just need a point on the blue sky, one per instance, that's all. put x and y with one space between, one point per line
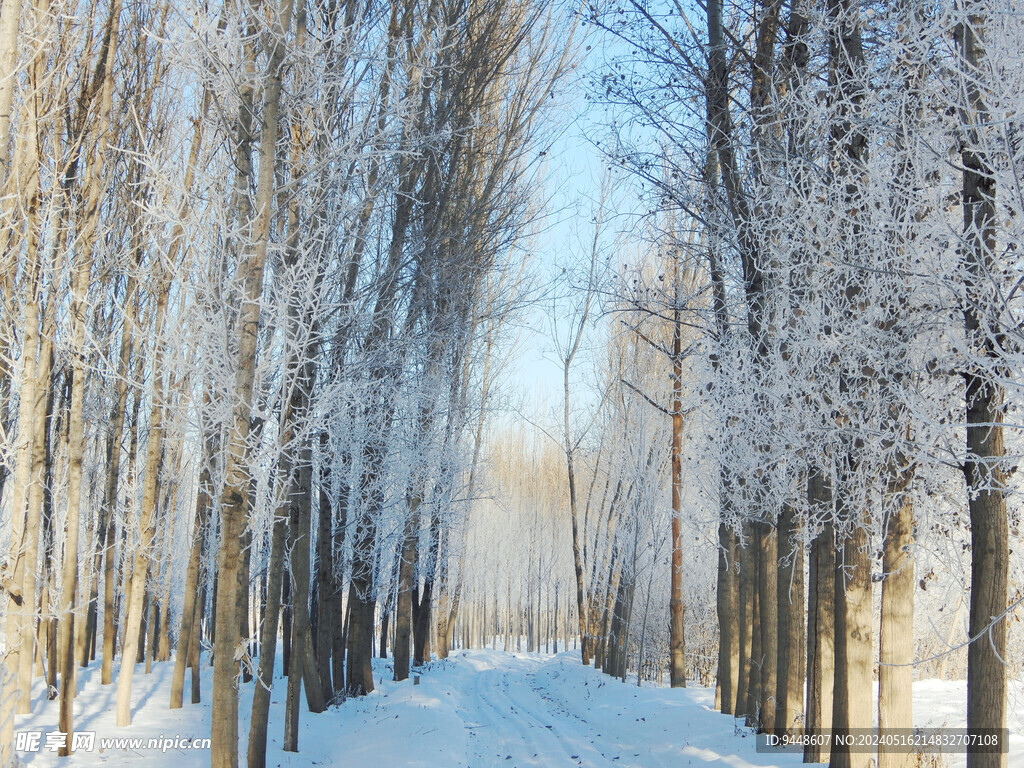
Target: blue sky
572 184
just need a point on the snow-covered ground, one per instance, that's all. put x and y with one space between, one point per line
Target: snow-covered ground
480 708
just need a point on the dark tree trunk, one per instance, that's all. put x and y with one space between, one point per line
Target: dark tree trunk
188 613
194 655
753 710
852 686
745 599
326 598
303 671
820 618
728 620
257 749
983 468
403 599
286 619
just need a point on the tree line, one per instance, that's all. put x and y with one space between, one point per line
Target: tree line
254 257
826 323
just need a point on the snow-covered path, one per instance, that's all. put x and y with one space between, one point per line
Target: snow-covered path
478 709
525 715
488 708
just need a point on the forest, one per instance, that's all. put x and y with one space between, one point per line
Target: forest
335 386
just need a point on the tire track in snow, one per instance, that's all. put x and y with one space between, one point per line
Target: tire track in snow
519 730
610 749
506 736
581 749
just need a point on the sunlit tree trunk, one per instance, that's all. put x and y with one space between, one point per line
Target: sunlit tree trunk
108 520
768 623
144 552
41 421
896 649
677 625
10 18
234 500
18 612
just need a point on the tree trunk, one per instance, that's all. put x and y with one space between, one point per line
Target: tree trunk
10 18
820 628
143 557
852 700
326 595
896 651
768 621
147 602
983 467
744 639
753 708
421 617
234 502
17 610
852 686
789 685
194 654
453 615
108 540
728 620
303 669
188 611
69 582
577 554
676 629
163 650
403 600
257 753
152 629
444 601
286 617
615 663
43 406
360 627
242 597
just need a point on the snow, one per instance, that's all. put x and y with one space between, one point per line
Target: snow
478 708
